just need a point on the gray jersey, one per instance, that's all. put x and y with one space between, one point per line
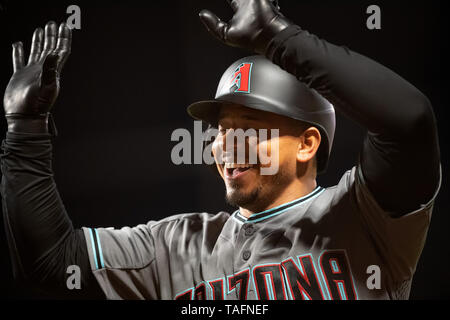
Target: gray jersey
319 246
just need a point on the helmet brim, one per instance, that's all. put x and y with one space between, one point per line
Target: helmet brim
207 111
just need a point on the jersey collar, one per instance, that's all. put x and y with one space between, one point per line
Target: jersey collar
263 215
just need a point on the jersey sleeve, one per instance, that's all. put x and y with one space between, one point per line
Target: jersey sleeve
122 261
400 240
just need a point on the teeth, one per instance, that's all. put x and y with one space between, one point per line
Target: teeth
237 165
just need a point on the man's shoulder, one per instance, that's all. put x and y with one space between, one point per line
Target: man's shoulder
343 186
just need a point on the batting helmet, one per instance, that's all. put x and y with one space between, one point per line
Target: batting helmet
257 83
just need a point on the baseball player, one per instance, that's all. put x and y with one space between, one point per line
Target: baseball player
289 237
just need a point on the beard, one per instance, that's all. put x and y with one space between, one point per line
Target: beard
237 197
261 195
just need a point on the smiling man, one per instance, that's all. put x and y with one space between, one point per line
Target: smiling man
298 126
289 237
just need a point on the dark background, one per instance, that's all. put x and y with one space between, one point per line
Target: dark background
135 68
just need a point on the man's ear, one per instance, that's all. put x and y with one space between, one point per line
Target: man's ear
308 144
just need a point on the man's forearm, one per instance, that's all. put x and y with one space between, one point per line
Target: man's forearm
40 234
363 89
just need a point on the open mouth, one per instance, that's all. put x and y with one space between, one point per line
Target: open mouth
234 170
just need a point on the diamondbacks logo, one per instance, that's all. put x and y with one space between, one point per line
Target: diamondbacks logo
240 81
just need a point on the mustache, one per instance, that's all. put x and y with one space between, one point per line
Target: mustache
239 157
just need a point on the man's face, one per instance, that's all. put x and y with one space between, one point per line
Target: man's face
246 184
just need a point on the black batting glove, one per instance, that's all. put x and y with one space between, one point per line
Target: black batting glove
34 87
253 25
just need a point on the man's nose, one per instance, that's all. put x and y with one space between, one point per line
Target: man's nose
239 147
232 141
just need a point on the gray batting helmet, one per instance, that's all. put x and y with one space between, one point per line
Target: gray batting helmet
257 83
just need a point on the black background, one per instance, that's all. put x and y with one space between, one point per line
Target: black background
134 69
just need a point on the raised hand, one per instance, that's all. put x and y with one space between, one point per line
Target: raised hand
253 25
34 87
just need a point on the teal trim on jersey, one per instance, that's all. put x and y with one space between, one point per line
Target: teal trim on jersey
100 249
272 215
94 252
290 202
287 206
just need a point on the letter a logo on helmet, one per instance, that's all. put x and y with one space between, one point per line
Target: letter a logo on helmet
240 79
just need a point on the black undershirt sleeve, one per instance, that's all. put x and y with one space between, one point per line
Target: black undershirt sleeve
40 235
400 154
